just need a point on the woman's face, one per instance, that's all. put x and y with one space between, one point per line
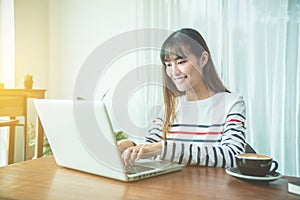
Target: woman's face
184 74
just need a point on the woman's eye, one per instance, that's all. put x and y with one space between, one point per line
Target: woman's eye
168 65
181 62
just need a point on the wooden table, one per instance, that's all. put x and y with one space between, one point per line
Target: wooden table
34 93
43 179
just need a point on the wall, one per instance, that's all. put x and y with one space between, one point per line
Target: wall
31 52
53 39
32 42
76 28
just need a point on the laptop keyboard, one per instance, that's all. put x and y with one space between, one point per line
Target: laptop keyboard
136 169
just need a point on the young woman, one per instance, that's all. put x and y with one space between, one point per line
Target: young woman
201 123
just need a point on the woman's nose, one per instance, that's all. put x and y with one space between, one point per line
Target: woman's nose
175 70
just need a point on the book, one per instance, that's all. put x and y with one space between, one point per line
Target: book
294 187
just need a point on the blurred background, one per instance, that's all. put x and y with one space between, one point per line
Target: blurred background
255 45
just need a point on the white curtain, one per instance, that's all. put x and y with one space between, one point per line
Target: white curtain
7 45
7 64
255 45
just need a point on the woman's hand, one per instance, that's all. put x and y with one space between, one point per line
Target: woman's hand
124 144
141 151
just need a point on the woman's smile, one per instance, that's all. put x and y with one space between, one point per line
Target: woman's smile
180 79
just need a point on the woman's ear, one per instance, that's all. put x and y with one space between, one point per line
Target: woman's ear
204 58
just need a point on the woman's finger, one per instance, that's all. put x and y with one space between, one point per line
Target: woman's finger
126 156
133 156
140 153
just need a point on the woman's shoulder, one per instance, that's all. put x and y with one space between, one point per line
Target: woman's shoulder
230 96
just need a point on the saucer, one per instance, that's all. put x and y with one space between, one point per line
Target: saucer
252 179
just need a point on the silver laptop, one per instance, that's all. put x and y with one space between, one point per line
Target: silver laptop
81 137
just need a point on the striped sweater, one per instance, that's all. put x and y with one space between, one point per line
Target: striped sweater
207 132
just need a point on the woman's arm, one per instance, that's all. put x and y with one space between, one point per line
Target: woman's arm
219 155
222 155
194 153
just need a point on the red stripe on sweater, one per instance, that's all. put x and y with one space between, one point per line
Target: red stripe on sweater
195 133
236 120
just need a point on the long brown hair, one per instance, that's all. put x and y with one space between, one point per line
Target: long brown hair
179 44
